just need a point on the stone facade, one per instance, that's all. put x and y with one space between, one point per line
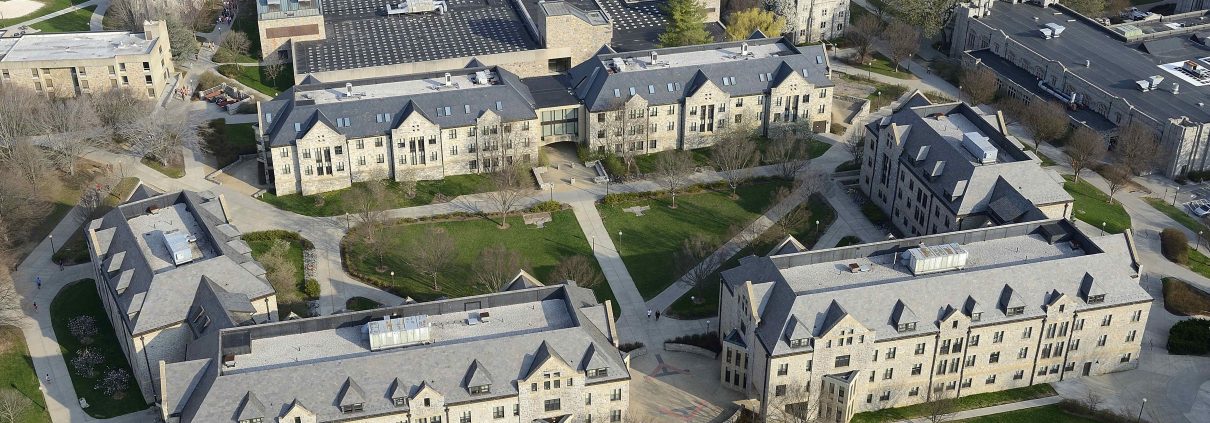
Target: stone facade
146 73
812 21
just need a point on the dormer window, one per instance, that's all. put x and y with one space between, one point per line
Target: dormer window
400 402
592 373
799 343
976 316
1015 311
1096 299
256 420
906 327
352 408
480 389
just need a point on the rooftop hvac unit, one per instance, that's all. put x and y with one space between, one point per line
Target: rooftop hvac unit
1195 69
399 332
482 78
937 258
617 64
980 147
1056 29
1150 83
178 246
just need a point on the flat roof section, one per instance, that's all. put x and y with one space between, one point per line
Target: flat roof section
1029 82
176 219
702 57
72 46
358 38
1114 65
448 328
397 88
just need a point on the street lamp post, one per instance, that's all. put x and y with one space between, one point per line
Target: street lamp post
594 244
1175 194
1103 229
1140 419
552 192
869 66
1199 240
52 244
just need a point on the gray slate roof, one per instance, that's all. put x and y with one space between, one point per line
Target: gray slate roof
875 301
291 107
593 82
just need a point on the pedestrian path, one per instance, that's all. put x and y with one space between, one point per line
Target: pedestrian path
58 13
631 324
995 409
97 21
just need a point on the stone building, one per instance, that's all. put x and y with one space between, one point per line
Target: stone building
653 100
74 63
1149 72
319 137
169 270
936 168
834 332
538 353
812 21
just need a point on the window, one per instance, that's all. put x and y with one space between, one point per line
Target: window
809 364
498 412
516 409
1107 320
338 150
466 417
907 327
998 337
1130 336
888 373
842 361
597 373
533 387
973 340
914 391
779 390
1096 299
616 395
1101 342
552 405
1028 333
1024 352
1138 315
1125 358
993 358
945 346
351 408
615 415
917 368
481 389
783 369
1019 375
920 348
252 420
890 353
1015 311
970 361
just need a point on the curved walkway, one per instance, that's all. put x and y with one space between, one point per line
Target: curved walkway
59 12
96 22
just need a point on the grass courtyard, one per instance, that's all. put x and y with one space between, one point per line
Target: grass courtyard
1094 208
1047 413
76 20
17 372
427 192
228 141
48 6
964 403
80 299
542 248
291 301
75 250
807 233
648 243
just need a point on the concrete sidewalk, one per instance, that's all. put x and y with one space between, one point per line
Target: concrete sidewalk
58 13
995 409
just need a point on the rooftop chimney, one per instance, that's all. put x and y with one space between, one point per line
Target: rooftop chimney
349 89
449 80
655 57
743 49
1176 88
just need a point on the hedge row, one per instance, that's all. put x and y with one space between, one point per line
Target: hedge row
708 340
279 234
1174 245
1190 337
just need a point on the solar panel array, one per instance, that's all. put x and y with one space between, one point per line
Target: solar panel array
628 16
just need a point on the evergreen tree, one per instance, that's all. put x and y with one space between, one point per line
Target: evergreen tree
685 24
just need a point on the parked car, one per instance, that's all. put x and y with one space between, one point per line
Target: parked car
1201 209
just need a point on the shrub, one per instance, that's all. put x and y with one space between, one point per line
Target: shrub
279 234
311 288
114 383
1190 337
229 70
1097 414
86 361
708 340
546 206
209 80
873 213
624 197
83 328
1183 299
614 166
630 346
1174 245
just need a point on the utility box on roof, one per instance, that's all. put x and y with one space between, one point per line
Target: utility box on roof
936 258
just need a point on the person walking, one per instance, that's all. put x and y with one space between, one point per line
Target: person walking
39 281
35 306
657 315
648 314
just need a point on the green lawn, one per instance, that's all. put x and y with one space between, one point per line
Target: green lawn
1199 263
701 156
228 141
883 95
76 20
75 250
1093 206
66 197
254 77
17 372
427 192
174 172
807 233
882 65
245 22
848 240
291 301
80 299
964 403
1047 413
1178 215
1183 299
542 248
847 166
361 304
648 243
48 6
1046 160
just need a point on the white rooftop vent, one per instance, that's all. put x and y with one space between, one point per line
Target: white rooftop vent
399 332
743 50
1047 33
936 258
449 79
178 246
482 77
617 64
349 89
979 146
1055 29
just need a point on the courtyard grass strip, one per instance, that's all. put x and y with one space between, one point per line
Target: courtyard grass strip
427 192
80 299
1093 206
17 372
960 404
1046 413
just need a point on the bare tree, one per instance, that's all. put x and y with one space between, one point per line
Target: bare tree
236 42
902 39
1044 121
280 271
407 182
579 269
1117 176
1014 108
979 84
672 169
939 407
508 190
433 254
19 114
13 405
855 146
788 155
796 405
117 108
90 200
10 300
72 130
733 154
367 202
1084 150
160 136
496 265
273 70
1137 147
862 34
696 260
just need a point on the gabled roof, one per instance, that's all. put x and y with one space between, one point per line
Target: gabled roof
544 354
352 394
831 317
523 280
250 408
399 390
1089 287
903 314
736 338
970 306
796 329
476 375
789 245
593 359
1009 298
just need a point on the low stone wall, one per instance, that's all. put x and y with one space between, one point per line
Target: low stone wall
691 349
542 184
